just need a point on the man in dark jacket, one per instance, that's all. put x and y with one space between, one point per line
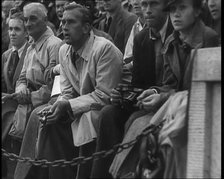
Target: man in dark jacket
119 23
147 65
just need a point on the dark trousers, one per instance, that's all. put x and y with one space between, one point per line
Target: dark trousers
55 143
112 120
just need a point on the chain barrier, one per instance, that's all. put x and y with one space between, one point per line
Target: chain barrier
82 160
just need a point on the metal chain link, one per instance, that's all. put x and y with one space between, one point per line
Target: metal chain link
82 160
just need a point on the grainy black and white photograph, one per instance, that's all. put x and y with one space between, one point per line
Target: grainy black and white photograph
114 89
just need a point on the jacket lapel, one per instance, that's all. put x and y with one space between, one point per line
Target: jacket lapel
146 41
5 71
115 21
169 29
175 65
20 65
72 72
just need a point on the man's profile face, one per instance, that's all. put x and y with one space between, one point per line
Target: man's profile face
17 33
72 26
34 22
153 12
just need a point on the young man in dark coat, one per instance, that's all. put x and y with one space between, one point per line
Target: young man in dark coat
147 65
119 23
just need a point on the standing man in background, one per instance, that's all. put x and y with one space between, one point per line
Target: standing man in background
118 23
59 4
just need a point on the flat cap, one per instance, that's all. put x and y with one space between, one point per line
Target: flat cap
168 3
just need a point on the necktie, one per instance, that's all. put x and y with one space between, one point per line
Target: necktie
13 64
59 32
107 24
75 56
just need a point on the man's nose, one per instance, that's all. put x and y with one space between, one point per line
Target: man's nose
176 13
149 9
12 32
211 3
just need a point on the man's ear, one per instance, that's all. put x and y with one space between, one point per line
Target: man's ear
197 12
86 28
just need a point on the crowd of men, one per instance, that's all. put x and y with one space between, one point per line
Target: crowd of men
120 66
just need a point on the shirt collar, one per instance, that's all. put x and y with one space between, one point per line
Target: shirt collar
84 51
139 25
20 50
38 44
162 31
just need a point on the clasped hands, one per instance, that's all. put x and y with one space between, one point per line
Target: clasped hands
53 113
147 100
22 97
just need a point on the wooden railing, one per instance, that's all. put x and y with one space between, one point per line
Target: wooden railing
204 127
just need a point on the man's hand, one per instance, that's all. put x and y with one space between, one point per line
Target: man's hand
56 69
6 96
115 97
148 100
55 112
23 97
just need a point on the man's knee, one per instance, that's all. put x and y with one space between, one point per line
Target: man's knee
108 115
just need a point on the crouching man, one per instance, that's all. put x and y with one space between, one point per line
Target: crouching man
91 67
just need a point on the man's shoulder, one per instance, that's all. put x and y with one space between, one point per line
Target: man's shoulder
101 44
54 40
7 52
101 33
64 48
209 32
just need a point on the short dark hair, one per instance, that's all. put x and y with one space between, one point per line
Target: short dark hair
86 15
